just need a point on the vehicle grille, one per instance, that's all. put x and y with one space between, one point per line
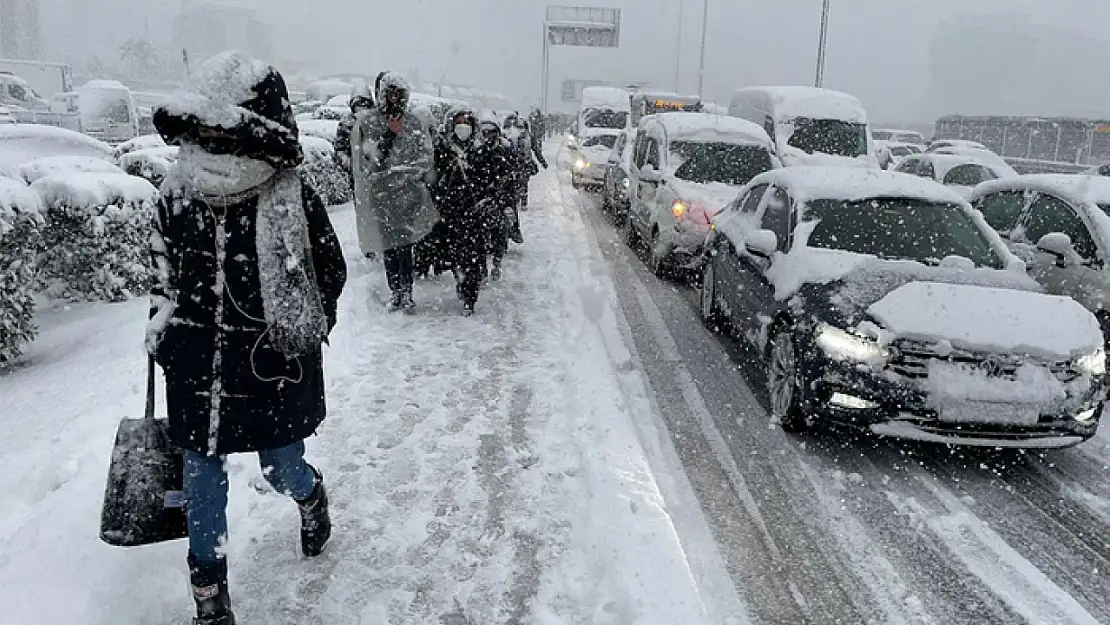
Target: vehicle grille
911 360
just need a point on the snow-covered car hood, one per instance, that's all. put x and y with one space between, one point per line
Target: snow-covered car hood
712 196
793 157
596 155
981 318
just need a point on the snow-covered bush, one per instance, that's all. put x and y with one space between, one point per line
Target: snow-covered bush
58 165
144 142
96 237
151 164
322 171
20 242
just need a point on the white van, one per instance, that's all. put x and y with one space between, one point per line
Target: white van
604 110
809 125
108 111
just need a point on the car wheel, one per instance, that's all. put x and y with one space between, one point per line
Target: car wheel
658 257
784 384
710 312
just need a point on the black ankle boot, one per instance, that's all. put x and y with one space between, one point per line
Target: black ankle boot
210 593
315 521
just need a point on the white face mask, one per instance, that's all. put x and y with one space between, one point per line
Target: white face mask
464 132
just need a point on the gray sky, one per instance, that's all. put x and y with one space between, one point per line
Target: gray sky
879 50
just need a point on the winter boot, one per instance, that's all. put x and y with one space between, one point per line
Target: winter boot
210 593
495 273
315 520
468 309
407 304
394 302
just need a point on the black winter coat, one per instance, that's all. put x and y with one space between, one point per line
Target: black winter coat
228 389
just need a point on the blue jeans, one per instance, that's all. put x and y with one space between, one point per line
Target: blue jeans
206 493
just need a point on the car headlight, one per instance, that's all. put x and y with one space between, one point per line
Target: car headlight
1093 364
581 164
627 184
841 345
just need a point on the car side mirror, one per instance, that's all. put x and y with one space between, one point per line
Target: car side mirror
761 243
650 174
1059 245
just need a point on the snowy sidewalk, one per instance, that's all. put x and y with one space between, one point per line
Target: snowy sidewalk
485 467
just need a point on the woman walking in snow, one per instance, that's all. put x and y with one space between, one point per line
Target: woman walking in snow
393 163
248 276
456 197
493 167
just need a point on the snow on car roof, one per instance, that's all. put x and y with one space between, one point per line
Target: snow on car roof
55 165
42 131
854 184
84 190
15 198
1079 189
708 126
814 103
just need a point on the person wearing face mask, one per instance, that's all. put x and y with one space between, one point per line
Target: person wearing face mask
393 161
457 198
247 277
494 171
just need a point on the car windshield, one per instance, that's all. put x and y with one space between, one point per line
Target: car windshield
730 163
105 106
600 140
829 136
606 118
900 229
968 175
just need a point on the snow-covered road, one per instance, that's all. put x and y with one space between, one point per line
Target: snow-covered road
504 468
831 527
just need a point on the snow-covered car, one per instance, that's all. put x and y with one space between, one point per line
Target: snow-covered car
615 197
958 172
996 162
890 135
590 158
884 301
48 166
890 153
1057 224
938 144
809 125
21 143
685 168
1098 170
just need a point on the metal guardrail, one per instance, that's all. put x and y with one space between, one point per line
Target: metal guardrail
1032 166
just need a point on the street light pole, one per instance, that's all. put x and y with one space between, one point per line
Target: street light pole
701 64
678 46
822 41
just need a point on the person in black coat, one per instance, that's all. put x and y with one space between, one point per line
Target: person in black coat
456 196
494 167
248 274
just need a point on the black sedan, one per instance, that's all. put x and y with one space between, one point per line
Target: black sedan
883 301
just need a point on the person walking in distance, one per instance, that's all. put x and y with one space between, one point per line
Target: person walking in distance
393 160
248 274
495 188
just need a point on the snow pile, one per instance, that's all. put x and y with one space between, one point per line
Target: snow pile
151 164
322 128
987 319
144 142
97 235
20 242
57 165
321 170
962 394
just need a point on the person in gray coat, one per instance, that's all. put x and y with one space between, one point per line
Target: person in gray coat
393 161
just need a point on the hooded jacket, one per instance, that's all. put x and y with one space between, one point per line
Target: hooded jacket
393 205
229 388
